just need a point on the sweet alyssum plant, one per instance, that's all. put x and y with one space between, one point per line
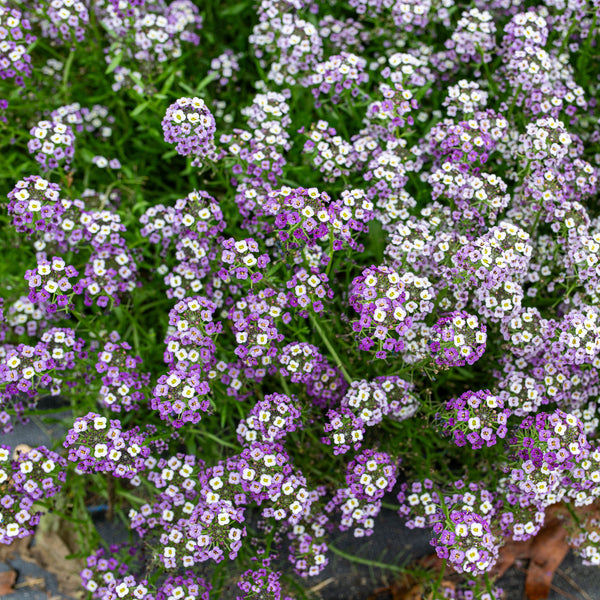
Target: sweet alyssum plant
283 259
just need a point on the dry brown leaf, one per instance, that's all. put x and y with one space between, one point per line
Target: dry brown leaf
20 449
37 582
54 541
548 550
449 585
509 553
545 552
414 593
7 582
19 546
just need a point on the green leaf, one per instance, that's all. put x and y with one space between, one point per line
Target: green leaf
235 9
114 63
168 83
195 91
140 108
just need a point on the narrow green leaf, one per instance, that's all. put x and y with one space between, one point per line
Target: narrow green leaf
140 108
235 9
114 63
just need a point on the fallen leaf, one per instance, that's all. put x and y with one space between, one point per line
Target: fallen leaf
444 585
19 546
414 593
548 550
509 553
545 552
54 541
20 449
38 582
7 582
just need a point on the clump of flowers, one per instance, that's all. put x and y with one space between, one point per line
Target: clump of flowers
301 215
344 431
465 539
378 296
379 247
457 339
49 283
189 124
15 36
307 291
34 203
256 583
67 20
371 474
18 516
39 473
337 74
477 418
97 445
180 397
52 142
270 419
242 260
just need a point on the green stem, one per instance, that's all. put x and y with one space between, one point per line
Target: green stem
573 515
512 106
328 270
438 581
284 385
215 439
66 72
131 497
366 561
331 349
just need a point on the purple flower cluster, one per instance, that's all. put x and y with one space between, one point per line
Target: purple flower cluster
242 260
35 205
39 472
49 283
26 369
546 448
19 517
270 420
431 225
181 397
400 400
420 504
378 296
122 382
457 339
466 541
259 583
302 216
307 292
328 151
110 273
300 361
66 20
339 76
54 143
367 401
99 446
344 430
371 474
188 585
357 512
477 418
15 36
190 125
